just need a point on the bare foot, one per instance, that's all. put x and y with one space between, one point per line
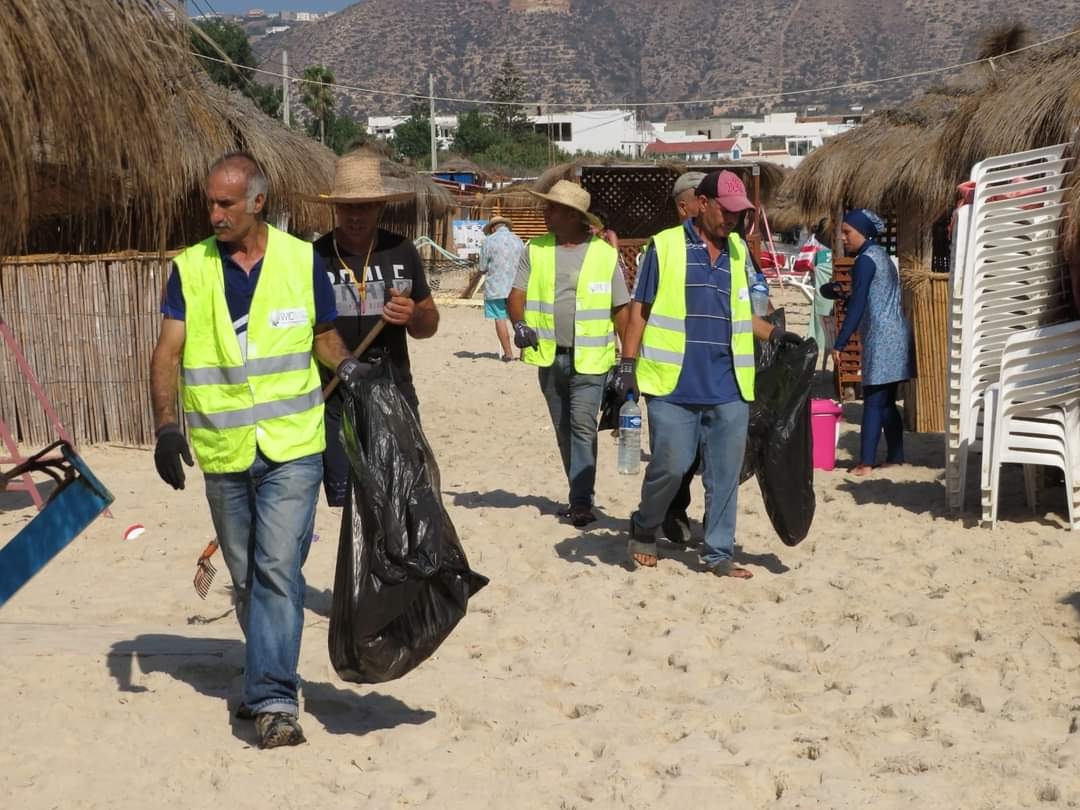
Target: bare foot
645 560
861 470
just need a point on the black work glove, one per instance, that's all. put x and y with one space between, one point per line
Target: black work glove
625 381
833 290
353 373
170 448
780 336
525 336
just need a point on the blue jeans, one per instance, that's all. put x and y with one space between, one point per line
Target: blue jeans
881 414
676 432
263 520
574 403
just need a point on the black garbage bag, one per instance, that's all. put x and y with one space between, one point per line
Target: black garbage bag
778 445
402 581
757 435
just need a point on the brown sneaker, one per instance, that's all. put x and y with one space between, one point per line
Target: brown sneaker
276 729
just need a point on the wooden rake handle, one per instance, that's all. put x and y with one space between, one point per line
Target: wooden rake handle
365 344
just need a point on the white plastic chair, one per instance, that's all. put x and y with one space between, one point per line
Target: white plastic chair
1033 414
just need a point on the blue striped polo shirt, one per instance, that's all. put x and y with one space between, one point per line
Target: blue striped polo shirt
708 370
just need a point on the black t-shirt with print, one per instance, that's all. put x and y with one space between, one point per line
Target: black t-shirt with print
394 260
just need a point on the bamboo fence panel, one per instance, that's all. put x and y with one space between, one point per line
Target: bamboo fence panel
87 325
928 297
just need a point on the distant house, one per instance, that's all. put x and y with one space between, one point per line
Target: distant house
691 151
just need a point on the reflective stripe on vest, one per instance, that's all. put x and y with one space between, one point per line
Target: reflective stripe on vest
272 400
594 331
663 344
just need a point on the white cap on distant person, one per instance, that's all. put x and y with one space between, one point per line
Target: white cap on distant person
688 181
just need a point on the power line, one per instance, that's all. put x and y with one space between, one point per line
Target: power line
644 104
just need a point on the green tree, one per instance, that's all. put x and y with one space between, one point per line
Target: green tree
474 134
317 97
527 153
343 133
412 138
508 87
230 39
267 97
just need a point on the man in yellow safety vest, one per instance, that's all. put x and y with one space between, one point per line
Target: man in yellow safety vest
568 300
689 348
247 311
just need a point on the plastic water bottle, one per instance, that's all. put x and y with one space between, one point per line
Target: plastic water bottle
759 298
629 437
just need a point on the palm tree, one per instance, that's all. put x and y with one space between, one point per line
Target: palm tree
319 98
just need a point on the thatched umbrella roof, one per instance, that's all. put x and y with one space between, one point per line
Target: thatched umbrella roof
108 126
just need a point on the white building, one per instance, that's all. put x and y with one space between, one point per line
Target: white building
599 131
383 126
783 138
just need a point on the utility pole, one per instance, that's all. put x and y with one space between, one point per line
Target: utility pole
285 88
431 114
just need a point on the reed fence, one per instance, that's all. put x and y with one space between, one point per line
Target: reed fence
87 325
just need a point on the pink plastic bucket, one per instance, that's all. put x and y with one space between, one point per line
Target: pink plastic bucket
825 416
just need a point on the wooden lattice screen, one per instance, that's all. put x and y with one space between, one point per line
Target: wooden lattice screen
637 199
849 371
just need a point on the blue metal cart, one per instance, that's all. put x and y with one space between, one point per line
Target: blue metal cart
75 503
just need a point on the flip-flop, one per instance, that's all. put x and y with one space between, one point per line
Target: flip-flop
644 548
729 569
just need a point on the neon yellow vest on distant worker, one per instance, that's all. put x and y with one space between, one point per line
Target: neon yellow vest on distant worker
663 343
594 331
273 397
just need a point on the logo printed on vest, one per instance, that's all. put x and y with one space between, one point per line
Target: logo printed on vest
281 318
599 286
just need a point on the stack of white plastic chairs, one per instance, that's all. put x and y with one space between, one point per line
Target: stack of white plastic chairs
1008 276
1032 415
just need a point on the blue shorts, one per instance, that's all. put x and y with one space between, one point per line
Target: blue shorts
495 309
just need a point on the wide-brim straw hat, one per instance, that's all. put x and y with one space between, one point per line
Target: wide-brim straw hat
359 179
572 196
491 223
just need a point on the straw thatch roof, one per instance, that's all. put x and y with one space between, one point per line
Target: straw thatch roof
911 159
108 126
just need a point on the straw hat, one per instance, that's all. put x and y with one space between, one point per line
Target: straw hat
491 223
572 196
358 179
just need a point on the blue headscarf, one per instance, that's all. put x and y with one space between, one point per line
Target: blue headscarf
865 222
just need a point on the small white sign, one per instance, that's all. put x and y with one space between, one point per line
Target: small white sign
281 318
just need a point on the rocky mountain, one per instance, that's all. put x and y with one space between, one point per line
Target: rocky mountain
617 51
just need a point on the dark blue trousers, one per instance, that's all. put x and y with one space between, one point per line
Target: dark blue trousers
881 414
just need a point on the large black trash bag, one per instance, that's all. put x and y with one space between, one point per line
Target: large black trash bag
402 581
779 446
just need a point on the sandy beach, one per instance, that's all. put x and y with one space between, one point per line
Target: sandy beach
898 657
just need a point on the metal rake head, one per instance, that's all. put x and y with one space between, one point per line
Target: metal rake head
205 570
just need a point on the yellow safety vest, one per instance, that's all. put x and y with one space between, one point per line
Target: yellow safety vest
663 344
273 397
594 331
